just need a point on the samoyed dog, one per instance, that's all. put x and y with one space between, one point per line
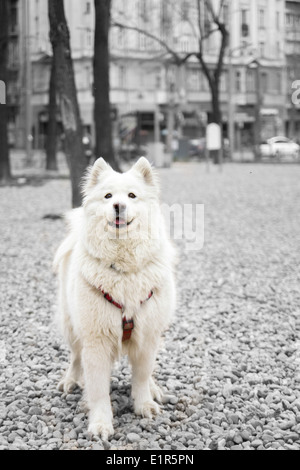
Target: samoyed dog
116 287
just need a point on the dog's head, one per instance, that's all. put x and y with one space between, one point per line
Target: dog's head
121 205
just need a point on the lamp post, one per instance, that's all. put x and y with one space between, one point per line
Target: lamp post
256 66
231 107
157 113
171 120
28 85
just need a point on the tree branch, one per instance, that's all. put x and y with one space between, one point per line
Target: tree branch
200 24
149 35
177 58
221 8
219 67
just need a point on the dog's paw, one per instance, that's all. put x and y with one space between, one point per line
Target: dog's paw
156 392
67 385
147 409
102 429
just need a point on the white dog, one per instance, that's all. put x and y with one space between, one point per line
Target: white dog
117 290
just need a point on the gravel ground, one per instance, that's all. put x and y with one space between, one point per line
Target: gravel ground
229 364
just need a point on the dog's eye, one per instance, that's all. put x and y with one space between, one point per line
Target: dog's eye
108 196
132 196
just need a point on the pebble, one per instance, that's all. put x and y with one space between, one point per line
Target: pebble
286 425
35 410
236 447
133 437
256 443
226 368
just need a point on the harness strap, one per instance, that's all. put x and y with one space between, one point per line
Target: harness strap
127 324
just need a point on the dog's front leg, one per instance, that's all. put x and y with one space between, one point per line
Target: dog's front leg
97 370
143 386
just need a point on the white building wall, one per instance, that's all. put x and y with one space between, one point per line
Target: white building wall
139 73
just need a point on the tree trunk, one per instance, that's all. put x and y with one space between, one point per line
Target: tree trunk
66 89
102 111
216 117
51 144
5 173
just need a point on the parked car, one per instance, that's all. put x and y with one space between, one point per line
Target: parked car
279 147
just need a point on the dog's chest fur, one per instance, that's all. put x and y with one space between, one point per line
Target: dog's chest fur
128 274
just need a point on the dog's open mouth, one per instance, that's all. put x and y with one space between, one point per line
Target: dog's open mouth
119 222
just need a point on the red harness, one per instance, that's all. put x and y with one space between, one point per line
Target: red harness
128 325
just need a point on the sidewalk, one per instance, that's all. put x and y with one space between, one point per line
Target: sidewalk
37 166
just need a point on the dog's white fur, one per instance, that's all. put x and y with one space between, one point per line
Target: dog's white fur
127 263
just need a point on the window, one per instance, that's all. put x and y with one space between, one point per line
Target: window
289 19
224 82
166 16
13 54
225 13
278 20
89 77
184 45
13 20
171 75
245 23
143 9
278 82
262 46
89 38
264 82
87 8
250 81
204 82
185 10
238 81
261 18
278 49
122 38
142 41
194 80
122 76
158 79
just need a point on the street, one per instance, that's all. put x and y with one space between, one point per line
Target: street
229 365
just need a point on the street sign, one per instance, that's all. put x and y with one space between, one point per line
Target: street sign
213 137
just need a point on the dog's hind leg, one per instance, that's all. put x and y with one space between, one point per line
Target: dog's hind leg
74 374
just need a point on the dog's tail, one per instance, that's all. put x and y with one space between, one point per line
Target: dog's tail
73 218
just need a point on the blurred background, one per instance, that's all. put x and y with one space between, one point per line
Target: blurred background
174 67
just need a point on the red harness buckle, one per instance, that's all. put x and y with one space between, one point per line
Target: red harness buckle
128 326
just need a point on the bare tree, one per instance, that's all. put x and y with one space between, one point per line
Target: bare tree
66 89
210 21
213 75
102 110
5 173
51 143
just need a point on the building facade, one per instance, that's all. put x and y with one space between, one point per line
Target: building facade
292 53
146 84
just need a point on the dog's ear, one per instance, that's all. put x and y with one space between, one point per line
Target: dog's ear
94 173
144 168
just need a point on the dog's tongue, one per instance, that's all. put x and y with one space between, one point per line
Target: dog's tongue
120 221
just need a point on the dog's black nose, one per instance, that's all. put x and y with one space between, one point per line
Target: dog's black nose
119 208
